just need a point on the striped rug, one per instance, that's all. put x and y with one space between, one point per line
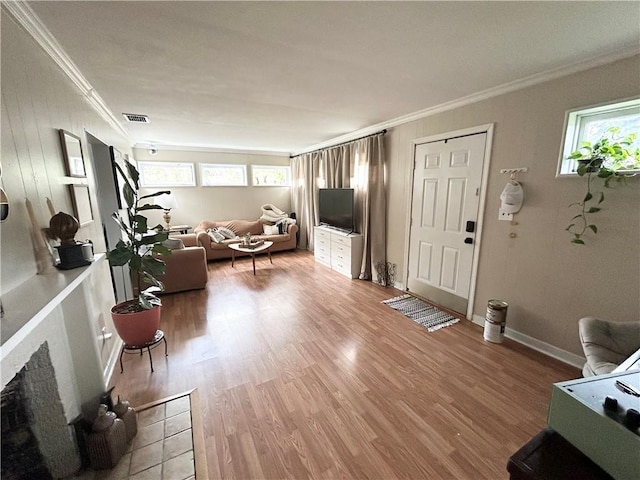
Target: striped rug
428 316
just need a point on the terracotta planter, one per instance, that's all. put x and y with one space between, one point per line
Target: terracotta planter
136 328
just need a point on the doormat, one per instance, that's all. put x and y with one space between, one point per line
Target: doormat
430 317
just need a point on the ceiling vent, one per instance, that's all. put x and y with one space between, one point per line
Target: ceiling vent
136 118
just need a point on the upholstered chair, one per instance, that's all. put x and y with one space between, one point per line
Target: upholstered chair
607 344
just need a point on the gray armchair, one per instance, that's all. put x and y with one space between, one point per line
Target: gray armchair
607 344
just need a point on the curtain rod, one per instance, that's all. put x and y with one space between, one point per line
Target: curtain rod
381 132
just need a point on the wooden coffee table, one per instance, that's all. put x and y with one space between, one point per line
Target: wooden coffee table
237 247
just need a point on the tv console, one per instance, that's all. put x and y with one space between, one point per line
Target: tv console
339 250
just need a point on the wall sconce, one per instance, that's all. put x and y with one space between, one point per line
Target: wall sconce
4 206
167 202
4 201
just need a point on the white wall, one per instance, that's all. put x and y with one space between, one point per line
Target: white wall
548 282
37 101
218 203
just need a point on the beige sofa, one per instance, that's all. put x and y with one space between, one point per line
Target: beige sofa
214 250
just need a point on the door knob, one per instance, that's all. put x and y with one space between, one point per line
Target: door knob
468 240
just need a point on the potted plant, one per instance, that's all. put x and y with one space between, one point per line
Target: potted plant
137 320
609 159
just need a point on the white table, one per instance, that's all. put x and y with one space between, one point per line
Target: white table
237 247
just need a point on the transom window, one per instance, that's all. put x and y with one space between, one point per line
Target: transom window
218 175
166 174
591 124
271 175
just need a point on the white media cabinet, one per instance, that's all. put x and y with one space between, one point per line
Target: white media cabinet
338 250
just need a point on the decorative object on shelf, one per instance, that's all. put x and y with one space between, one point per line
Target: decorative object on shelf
81 204
43 258
137 320
609 159
63 226
167 201
128 415
72 151
107 441
52 210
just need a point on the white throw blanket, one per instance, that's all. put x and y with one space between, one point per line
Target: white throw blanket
271 213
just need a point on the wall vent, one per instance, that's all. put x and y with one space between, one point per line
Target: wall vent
136 118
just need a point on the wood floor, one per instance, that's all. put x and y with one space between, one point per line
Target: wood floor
303 373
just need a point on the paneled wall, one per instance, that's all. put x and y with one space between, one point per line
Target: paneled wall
218 203
37 101
548 282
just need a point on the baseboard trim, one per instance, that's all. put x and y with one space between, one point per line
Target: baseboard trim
538 345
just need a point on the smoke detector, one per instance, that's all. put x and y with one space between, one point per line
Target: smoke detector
136 118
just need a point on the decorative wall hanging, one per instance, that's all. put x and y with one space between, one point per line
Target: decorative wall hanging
72 152
81 204
4 201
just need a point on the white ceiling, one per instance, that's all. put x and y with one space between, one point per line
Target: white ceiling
286 76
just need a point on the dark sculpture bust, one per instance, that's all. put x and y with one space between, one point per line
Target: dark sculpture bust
64 226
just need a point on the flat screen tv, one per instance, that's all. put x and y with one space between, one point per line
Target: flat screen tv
336 207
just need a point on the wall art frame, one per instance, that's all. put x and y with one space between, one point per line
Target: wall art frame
72 153
81 199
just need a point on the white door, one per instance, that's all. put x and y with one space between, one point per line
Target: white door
444 218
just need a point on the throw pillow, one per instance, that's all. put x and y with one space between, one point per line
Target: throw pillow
270 229
173 243
226 232
215 235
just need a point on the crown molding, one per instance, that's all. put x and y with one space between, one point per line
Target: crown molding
22 13
190 148
480 96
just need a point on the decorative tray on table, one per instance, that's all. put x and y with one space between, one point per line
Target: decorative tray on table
253 244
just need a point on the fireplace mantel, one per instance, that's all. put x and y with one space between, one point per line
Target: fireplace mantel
70 310
31 302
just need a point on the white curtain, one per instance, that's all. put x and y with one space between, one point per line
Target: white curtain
359 165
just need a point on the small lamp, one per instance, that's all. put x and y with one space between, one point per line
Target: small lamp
167 202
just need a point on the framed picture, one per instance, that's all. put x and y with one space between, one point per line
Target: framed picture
81 204
72 152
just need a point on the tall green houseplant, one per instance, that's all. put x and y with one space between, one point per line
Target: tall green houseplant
140 248
607 160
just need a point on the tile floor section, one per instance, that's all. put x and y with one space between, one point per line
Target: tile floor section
162 449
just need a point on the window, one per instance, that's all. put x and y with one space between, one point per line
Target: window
166 174
217 175
591 124
271 175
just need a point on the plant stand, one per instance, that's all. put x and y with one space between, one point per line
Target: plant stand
157 338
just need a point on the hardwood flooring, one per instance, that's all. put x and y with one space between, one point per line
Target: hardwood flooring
303 373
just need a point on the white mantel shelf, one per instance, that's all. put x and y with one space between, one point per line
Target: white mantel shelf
29 303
